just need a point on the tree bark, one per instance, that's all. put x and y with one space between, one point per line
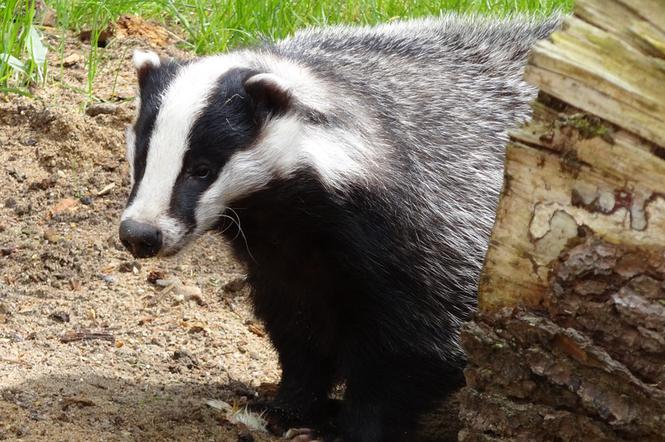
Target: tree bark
569 342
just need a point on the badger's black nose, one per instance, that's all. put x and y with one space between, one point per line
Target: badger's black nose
141 239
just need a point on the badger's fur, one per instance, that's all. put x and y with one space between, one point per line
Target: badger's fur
356 173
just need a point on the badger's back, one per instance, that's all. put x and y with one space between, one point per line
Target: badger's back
435 99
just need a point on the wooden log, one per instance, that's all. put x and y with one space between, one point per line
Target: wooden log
569 342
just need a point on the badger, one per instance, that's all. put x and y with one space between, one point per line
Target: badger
355 171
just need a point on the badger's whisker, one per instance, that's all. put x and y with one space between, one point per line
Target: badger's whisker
236 221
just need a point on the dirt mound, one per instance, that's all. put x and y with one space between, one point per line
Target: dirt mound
93 344
137 27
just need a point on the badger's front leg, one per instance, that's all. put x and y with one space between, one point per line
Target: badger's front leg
307 372
302 397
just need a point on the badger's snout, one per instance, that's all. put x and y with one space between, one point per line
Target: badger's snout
141 239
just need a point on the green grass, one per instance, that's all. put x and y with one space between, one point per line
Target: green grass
215 26
22 54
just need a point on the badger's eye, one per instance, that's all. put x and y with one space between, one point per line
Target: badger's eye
201 172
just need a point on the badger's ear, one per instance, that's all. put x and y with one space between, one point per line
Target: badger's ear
145 62
270 92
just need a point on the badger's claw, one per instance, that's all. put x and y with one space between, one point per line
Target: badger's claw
301 435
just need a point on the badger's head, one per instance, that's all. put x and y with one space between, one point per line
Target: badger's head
217 129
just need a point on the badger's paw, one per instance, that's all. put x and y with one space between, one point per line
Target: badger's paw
301 435
278 419
309 435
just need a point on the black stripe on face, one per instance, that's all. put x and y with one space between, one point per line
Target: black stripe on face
226 125
153 83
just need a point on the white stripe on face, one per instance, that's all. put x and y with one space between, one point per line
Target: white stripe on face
184 99
338 156
130 139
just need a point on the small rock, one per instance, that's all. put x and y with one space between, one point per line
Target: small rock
17 175
35 416
29 142
86 200
146 320
76 401
188 291
74 284
43 118
109 279
185 358
4 309
167 282
10 203
101 108
198 328
72 60
51 236
64 205
59 316
178 299
129 266
235 285
6 251
256 328
154 276
21 210
106 190
21 431
44 184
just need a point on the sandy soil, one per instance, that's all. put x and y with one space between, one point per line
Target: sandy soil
89 348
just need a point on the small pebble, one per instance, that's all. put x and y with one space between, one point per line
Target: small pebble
129 266
6 251
86 200
101 108
4 309
235 285
10 203
154 276
106 190
166 282
22 209
197 328
109 279
188 291
72 60
59 316
51 236
186 358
